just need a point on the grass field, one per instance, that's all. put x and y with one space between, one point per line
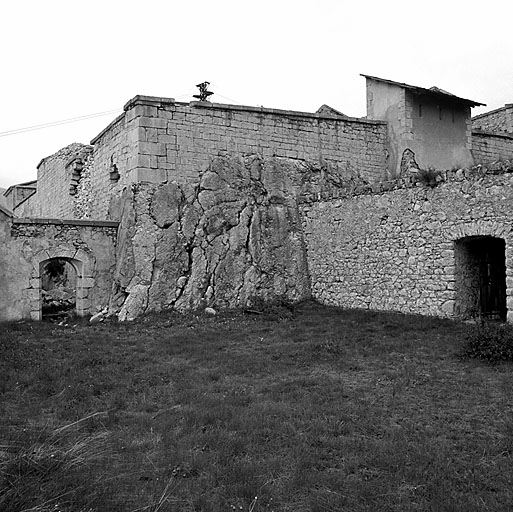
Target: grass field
311 409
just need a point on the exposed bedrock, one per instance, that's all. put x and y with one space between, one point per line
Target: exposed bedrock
234 237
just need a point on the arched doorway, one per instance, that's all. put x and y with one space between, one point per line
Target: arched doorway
480 274
59 283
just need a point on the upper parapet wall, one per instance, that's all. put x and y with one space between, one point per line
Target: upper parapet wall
498 120
173 141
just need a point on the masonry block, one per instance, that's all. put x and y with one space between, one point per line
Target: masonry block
152 122
150 175
152 148
36 315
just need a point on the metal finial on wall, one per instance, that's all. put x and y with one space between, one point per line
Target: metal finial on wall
203 94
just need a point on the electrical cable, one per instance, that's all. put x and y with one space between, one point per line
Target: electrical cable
57 123
86 117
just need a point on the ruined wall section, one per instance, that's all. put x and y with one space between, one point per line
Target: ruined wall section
26 243
57 174
489 147
178 141
395 250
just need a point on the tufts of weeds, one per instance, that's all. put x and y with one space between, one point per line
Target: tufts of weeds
490 342
58 469
429 177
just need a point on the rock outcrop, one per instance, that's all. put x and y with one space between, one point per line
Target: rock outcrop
234 237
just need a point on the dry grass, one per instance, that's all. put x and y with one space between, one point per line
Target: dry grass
316 409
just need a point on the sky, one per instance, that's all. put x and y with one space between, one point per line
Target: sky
62 60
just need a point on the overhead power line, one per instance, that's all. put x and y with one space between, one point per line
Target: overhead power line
56 123
84 118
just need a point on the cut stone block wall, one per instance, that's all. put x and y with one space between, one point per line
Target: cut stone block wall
28 243
395 250
177 141
490 147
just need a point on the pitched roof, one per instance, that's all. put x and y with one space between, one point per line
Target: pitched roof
433 91
330 111
27 184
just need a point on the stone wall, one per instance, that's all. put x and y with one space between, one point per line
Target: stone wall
115 157
56 175
158 140
26 244
498 120
489 147
177 141
395 250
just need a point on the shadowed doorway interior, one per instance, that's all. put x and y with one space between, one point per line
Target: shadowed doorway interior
480 266
58 289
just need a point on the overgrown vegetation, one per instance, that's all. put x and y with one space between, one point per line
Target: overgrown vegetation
429 177
289 409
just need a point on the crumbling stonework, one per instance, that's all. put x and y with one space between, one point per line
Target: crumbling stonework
58 174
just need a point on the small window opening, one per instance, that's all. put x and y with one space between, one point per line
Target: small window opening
113 171
440 112
420 109
452 113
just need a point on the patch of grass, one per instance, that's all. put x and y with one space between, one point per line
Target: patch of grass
489 341
313 409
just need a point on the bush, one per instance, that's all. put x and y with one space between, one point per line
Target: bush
429 177
490 342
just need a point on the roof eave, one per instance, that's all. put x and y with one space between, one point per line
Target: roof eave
423 90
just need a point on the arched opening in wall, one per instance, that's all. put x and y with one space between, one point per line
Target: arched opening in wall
480 274
58 289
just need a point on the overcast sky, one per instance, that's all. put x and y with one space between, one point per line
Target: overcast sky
66 59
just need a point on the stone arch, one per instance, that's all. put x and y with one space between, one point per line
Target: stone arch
472 245
83 264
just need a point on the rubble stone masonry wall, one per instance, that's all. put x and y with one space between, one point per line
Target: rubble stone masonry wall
499 120
396 250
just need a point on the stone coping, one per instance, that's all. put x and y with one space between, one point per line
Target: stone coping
488 133
67 222
107 128
408 182
505 107
163 102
